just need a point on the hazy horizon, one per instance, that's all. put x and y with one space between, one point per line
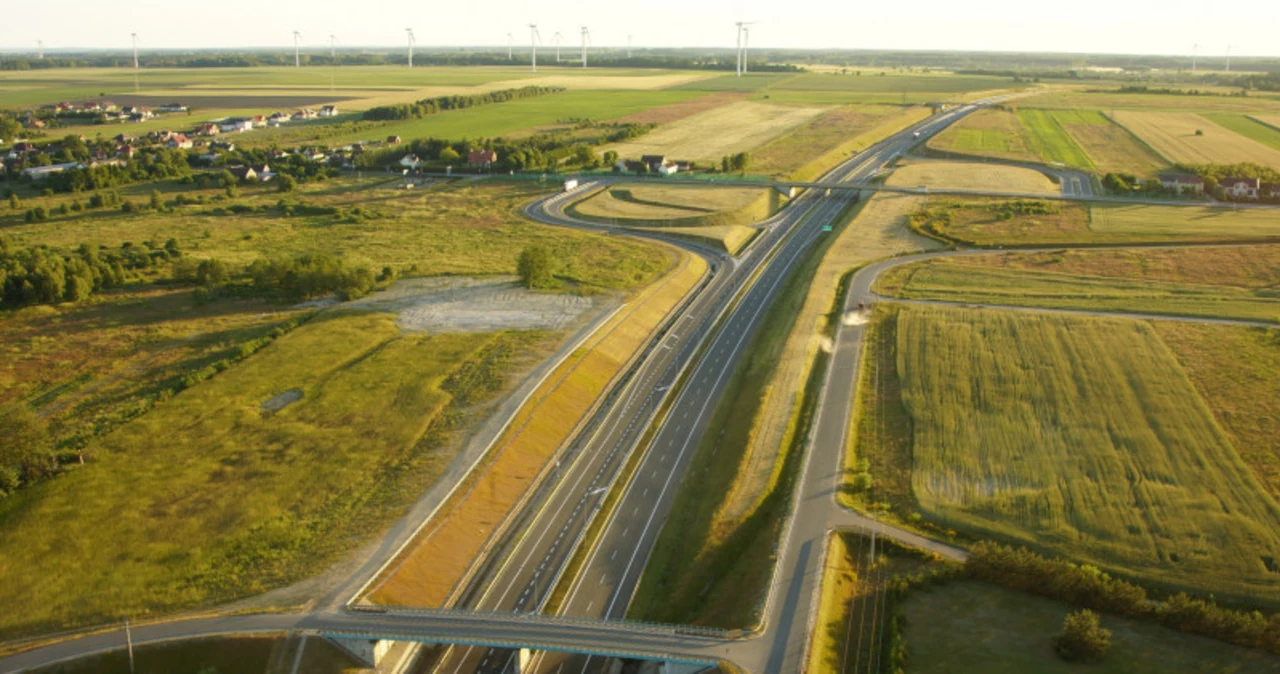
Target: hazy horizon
1169 28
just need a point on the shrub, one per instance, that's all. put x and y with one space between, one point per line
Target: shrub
1082 638
534 267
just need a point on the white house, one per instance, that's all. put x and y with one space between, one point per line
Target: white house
42 172
410 161
668 168
1240 188
329 111
1182 184
236 125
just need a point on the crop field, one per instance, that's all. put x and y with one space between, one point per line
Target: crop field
674 205
1191 139
1237 372
1048 138
1084 437
991 133
949 174
1109 147
749 82
429 570
969 626
728 129
1248 127
1064 99
818 146
672 112
1272 121
211 496
1214 282
833 88
983 222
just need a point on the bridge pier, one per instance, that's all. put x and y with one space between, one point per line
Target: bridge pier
369 651
682 668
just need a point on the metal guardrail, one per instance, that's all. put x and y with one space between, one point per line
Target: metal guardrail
554 620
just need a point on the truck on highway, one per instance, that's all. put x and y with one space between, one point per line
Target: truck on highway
571 184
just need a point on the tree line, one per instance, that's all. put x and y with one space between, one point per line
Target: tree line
1086 586
43 275
431 106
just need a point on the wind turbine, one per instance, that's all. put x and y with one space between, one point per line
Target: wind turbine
1195 51
134 37
557 39
746 39
534 38
628 45
410 32
1229 57
333 48
297 55
40 50
510 41
586 37
738 52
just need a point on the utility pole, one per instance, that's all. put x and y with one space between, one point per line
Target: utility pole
297 55
128 640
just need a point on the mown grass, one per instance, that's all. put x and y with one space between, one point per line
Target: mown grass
969 626
821 144
232 655
1212 282
1084 437
722 579
208 497
429 571
1237 372
677 206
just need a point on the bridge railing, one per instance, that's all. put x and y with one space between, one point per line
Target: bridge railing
539 618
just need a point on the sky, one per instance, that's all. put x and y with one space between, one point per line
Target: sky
1247 27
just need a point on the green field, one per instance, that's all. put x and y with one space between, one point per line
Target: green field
968 626
1248 127
232 655
1076 99
749 82
1051 141
1201 282
1084 437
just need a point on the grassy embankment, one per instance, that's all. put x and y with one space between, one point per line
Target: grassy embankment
1076 419
967 626
232 655
706 214
181 542
991 223
1082 139
826 141
1188 138
428 572
1214 282
722 580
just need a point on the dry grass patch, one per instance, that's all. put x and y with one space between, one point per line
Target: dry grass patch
962 175
431 568
677 205
820 145
711 134
1084 437
1272 121
1111 148
1187 138
992 133
1237 372
729 238
665 114
1185 221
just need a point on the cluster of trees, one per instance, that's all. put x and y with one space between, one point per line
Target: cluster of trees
1258 81
1216 172
536 268
541 152
42 275
431 106
26 454
302 277
1082 638
1089 587
148 165
1123 183
736 163
10 128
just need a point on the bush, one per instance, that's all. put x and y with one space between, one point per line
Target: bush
1082 638
286 183
534 267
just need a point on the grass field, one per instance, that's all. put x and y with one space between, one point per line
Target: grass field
1248 127
1237 372
208 498
989 133
962 175
231 655
832 88
1109 147
822 143
968 626
740 126
1069 99
1082 436
677 206
1215 282
1049 139
977 222
1187 138
428 572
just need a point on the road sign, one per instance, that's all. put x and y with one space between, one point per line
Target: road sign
827 228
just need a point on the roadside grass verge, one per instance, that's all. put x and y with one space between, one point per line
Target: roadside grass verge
722 580
429 571
677 206
1209 282
1237 372
966 625
729 238
856 625
1084 437
210 497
